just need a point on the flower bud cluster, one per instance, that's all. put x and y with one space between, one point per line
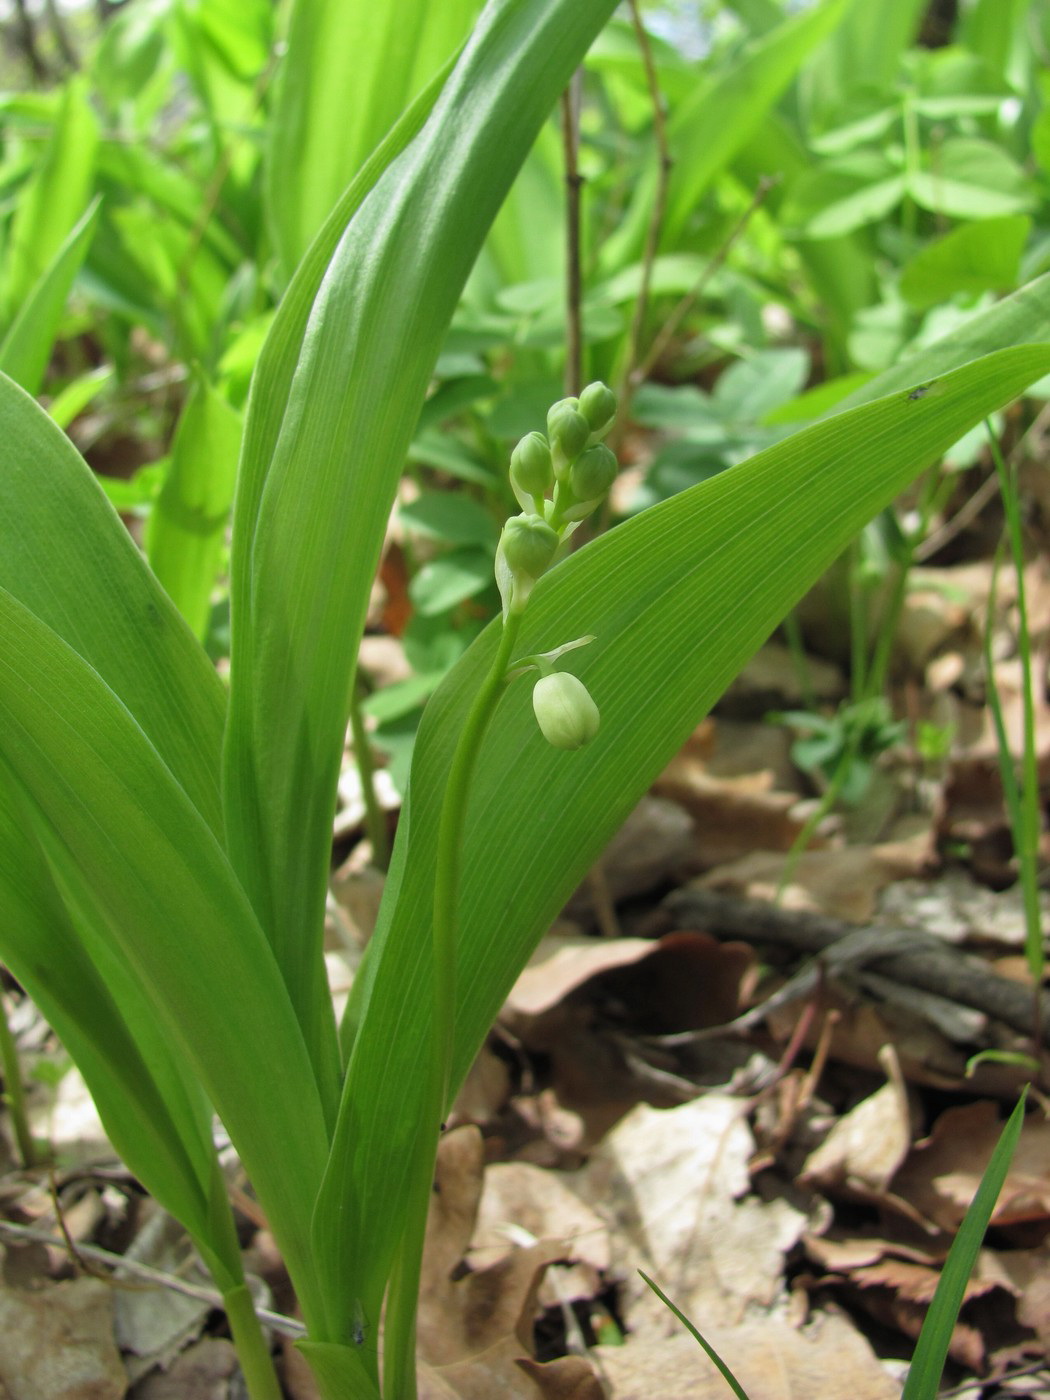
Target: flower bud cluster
558 479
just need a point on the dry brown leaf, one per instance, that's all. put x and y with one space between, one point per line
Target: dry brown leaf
771 1361
866 1145
568 1378
207 1370
652 848
58 1343
843 883
674 1184
518 1197
473 1327
941 1176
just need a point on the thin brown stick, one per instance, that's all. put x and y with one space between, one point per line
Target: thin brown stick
656 218
570 117
683 308
288 1326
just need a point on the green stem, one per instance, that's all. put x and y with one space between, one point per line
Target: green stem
15 1094
450 852
253 1351
375 820
1025 820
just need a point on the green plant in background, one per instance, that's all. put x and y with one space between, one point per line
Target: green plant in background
166 844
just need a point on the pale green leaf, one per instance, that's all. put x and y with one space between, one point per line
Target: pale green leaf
351 67
54 198
30 338
187 528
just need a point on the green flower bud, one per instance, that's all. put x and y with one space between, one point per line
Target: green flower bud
598 406
593 473
566 714
525 550
531 469
569 433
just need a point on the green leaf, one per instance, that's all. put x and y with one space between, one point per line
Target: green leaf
450 579
65 554
152 1109
329 423
709 128
968 178
448 516
350 67
974 258
30 338
175 908
678 598
54 198
1022 316
931 1350
844 194
187 528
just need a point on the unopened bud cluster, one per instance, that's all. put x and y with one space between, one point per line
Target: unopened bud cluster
559 479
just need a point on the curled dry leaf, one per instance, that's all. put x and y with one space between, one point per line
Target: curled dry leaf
473 1327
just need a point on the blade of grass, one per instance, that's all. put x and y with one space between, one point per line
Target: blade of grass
931 1350
723 1370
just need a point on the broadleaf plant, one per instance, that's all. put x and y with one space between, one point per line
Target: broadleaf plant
166 848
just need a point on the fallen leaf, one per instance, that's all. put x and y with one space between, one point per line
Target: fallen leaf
772 1361
58 1343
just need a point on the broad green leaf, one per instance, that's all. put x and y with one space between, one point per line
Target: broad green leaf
322 463
30 338
450 516
187 528
55 197
351 68
450 579
974 258
678 599
867 46
65 554
931 1350
181 920
999 32
968 178
154 1113
844 194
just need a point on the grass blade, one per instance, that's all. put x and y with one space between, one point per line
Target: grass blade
713 1356
931 1350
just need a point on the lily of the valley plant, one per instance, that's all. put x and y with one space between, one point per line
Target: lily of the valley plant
164 844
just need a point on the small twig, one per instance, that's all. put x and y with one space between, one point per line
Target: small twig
682 310
570 116
907 955
287 1326
656 218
